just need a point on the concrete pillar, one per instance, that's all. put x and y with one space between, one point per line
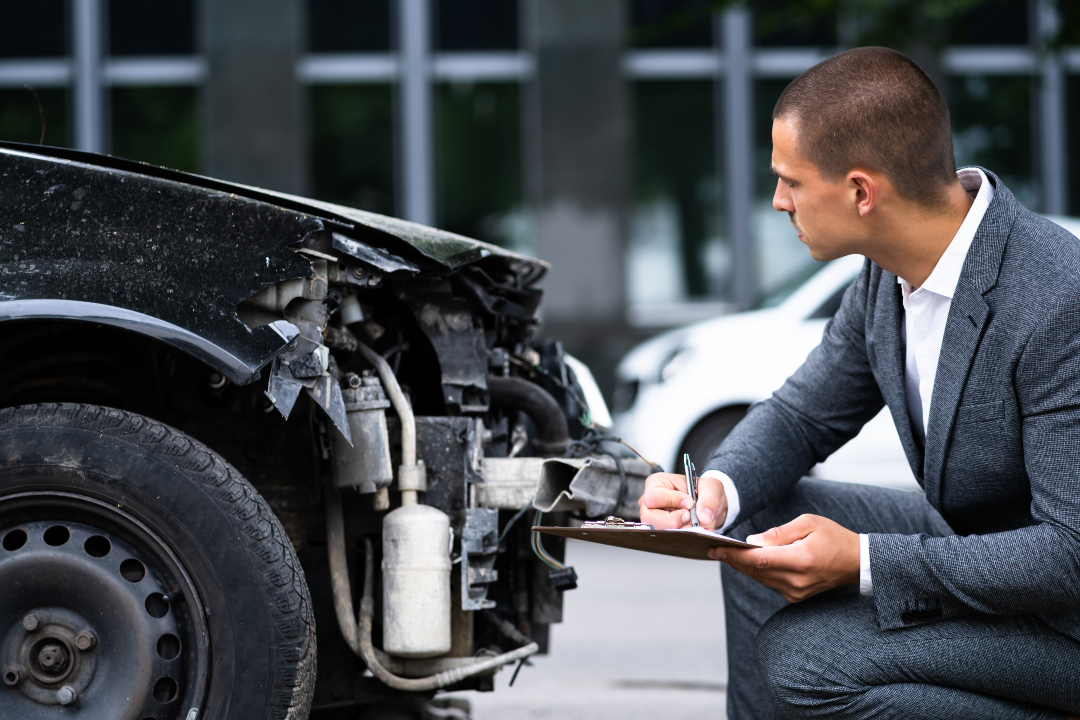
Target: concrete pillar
253 129
87 19
576 159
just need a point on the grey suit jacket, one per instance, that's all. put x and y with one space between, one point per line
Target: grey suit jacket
1002 456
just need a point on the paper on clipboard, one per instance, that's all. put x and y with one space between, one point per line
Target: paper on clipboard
690 543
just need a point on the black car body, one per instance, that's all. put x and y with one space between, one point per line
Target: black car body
189 351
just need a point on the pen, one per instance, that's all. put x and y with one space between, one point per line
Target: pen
691 486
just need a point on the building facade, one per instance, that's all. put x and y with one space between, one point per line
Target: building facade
625 141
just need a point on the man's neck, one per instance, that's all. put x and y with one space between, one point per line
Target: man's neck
911 240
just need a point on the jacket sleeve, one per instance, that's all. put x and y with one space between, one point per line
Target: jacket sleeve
818 409
1034 569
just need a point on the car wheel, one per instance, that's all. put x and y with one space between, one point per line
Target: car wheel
707 435
142 577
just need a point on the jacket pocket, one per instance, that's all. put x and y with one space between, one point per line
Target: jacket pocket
981 412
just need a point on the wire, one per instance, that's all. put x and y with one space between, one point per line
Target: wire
538 547
514 519
592 443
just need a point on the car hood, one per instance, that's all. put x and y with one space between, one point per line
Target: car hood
447 249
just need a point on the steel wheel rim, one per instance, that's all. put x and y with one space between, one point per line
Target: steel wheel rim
103 615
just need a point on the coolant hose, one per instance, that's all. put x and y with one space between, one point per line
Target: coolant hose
359 636
552 432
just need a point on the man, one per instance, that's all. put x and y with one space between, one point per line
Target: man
965 321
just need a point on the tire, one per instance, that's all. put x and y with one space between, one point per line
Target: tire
122 534
707 435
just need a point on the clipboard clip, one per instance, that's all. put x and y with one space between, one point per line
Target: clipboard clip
615 523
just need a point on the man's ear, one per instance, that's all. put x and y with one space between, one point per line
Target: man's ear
865 191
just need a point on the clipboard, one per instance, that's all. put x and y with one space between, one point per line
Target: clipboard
690 543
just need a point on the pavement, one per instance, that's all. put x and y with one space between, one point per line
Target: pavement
642 637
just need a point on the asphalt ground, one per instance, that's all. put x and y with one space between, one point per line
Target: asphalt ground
642 637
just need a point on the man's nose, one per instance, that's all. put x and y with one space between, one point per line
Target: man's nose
781 200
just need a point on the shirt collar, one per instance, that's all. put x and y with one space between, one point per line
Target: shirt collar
946 273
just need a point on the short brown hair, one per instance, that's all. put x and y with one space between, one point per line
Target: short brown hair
874 108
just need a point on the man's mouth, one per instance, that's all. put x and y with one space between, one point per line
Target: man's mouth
791 217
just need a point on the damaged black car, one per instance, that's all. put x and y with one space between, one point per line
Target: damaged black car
229 417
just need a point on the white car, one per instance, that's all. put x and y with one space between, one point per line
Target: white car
684 390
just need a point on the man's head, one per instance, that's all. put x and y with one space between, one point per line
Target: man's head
863 127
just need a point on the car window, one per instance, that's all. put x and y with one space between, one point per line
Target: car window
828 308
788 288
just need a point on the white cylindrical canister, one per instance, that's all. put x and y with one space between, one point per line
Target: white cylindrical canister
416 582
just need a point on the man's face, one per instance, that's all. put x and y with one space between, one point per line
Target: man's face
823 212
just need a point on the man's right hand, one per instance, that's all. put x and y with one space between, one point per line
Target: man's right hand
666 506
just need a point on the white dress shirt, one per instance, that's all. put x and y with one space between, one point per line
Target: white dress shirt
926 309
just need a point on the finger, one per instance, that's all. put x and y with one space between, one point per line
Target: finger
665 520
659 497
668 480
712 503
787 533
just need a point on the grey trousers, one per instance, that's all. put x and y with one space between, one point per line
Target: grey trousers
827 656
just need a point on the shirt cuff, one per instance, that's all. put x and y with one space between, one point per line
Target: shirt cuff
732 495
866 584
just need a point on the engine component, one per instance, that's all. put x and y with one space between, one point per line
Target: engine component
552 434
479 544
591 485
365 465
416 582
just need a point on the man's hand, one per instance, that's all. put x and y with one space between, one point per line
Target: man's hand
666 506
807 556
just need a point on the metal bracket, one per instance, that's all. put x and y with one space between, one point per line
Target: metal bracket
479 544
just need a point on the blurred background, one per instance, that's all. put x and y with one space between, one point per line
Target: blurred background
625 141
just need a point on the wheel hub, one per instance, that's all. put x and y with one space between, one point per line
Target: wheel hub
134 660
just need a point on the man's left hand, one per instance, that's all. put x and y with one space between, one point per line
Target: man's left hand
807 556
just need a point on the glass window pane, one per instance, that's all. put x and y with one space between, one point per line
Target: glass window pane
352 146
336 26
782 259
675 251
671 23
991 124
475 24
778 23
137 27
994 22
478 162
157 125
33 29
20 119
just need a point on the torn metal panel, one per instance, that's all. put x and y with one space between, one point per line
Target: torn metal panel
326 393
590 485
509 483
448 323
183 255
376 257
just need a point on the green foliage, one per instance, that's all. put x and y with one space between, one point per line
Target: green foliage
352 145
156 125
20 120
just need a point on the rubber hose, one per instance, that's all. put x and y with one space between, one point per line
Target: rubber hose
432 682
552 432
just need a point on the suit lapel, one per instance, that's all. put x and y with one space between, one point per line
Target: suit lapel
968 316
889 354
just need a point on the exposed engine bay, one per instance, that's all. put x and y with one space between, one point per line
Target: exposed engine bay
378 383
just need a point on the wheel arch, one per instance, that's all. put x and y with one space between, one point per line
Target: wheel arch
704 421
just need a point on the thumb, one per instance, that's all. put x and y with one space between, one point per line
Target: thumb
712 503
787 533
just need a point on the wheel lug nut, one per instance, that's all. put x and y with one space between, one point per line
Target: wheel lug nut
52 658
13 676
85 640
31 622
66 695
